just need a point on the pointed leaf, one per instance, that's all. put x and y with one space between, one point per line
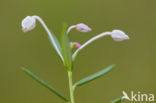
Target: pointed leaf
66 48
56 44
94 76
33 76
118 100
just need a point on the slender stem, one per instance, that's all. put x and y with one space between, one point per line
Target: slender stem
49 34
71 87
70 28
88 42
94 38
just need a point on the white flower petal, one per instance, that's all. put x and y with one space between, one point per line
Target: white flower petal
119 35
28 23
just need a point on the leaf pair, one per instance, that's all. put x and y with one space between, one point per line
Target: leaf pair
79 83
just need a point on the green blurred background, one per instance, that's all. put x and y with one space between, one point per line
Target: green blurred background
134 59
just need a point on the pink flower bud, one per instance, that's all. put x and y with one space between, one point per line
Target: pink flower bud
119 35
83 28
80 27
28 23
75 45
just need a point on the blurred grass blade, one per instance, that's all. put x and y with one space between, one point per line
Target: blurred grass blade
66 48
33 76
118 100
94 76
56 45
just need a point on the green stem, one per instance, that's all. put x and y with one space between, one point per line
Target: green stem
71 87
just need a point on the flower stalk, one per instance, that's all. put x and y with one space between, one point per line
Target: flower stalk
30 27
117 35
88 42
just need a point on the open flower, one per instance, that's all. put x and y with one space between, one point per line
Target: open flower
80 27
28 23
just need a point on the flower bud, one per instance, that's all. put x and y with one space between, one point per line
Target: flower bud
28 23
83 27
75 45
119 35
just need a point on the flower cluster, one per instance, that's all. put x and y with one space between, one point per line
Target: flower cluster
29 23
64 50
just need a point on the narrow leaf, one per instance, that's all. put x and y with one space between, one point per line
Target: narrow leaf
56 44
94 76
66 48
118 100
33 76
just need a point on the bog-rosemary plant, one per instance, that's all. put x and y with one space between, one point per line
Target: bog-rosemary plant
64 50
